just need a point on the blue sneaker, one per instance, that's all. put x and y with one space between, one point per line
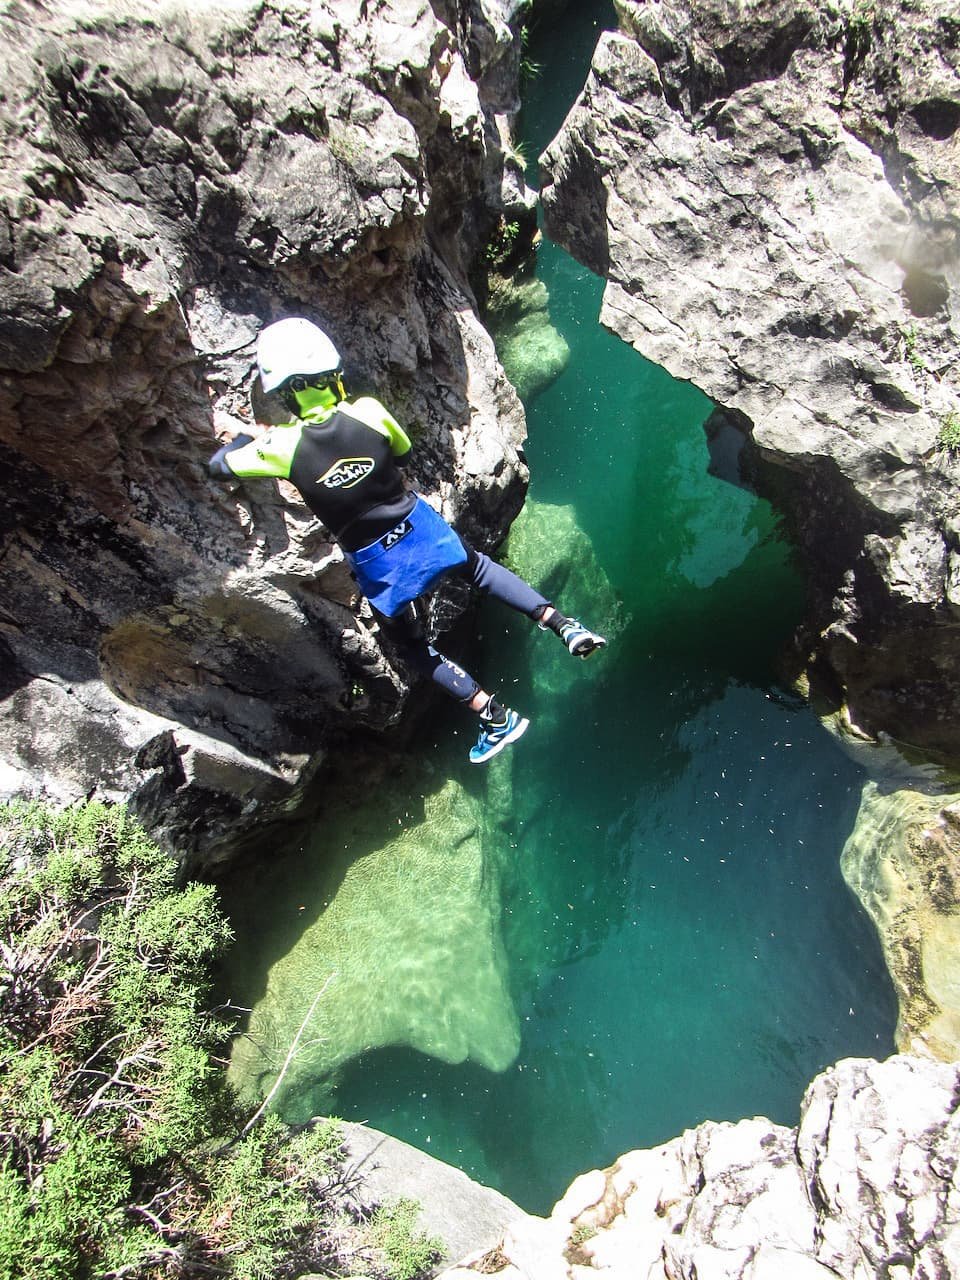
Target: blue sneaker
579 639
494 737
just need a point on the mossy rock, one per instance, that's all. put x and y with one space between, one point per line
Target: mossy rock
903 862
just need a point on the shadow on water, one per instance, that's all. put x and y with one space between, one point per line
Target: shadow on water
634 919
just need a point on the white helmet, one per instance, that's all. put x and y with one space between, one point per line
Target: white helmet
293 346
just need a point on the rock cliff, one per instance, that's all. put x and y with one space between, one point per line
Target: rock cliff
771 191
865 1186
174 177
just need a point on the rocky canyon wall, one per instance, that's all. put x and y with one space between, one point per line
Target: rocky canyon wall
173 177
771 190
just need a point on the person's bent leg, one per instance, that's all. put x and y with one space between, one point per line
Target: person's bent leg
405 632
499 725
502 584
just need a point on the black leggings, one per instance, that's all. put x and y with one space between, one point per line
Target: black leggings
406 630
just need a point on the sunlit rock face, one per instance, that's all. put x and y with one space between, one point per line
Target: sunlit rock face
400 941
903 862
865 1186
173 178
771 191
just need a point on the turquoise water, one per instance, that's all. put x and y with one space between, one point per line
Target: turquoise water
681 943
672 930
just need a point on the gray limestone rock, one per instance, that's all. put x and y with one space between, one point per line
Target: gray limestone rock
865 1186
462 1213
771 190
172 179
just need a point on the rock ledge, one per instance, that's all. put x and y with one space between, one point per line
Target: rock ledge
866 1186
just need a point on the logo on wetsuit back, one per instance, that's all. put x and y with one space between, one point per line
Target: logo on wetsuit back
346 473
396 534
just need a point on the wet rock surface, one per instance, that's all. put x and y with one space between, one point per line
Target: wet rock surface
173 179
465 1215
771 191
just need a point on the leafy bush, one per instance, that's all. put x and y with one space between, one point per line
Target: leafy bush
502 243
262 1203
949 436
115 1158
407 1253
106 1066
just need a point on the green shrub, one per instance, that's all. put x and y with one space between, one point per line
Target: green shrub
263 1204
114 1111
105 1053
503 241
407 1250
949 437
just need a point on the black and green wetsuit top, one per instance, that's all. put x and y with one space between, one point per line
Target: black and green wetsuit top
344 462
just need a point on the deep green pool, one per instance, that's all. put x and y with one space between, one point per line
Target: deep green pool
658 857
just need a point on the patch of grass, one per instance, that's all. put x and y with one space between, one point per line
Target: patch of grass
516 151
582 1233
949 437
860 30
529 68
911 351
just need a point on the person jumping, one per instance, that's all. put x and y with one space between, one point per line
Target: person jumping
344 457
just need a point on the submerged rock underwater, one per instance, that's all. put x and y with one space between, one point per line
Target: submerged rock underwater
393 907
402 937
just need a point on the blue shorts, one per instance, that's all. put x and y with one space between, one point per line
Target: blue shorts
404 563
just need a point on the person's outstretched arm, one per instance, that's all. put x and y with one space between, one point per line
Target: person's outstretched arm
268 455
217 466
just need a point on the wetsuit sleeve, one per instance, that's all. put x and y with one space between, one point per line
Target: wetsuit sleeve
373 413
217 466
268 455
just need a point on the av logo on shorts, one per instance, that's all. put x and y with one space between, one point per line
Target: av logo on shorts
396 534
345 473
